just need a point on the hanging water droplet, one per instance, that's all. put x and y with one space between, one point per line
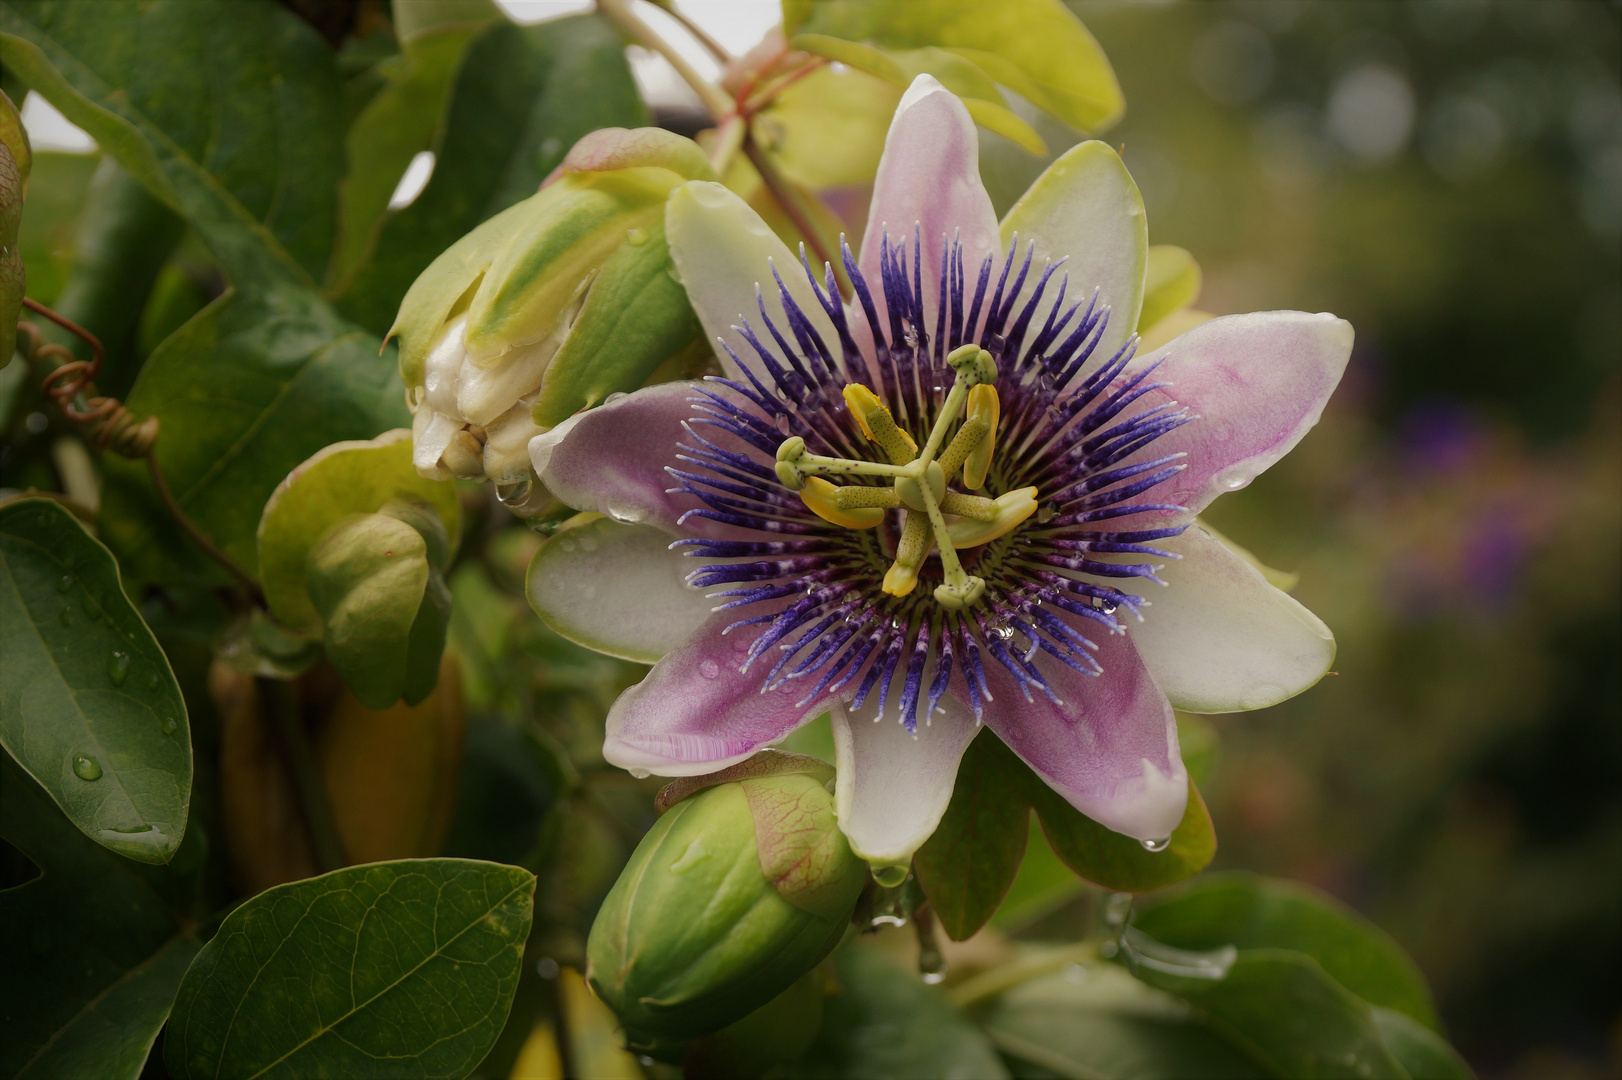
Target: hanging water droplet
1157 845
86 767
640 774
513 494
128 830
64 583
118 667
169 725
886 920
890 876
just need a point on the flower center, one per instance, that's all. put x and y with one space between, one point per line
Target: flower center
918 480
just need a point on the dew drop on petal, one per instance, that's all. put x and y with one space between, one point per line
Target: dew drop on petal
86 767
1157 845
709 669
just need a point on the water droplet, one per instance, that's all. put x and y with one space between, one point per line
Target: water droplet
547 968
1073 973
431 383
636 237
86 767
66 616
513 494
64 583
782 424
1222 431
118 667
169 725
890 876
1157 845
624 511
886 920
152 681
128 830
640 774
588 542
934 978
709 669
615 396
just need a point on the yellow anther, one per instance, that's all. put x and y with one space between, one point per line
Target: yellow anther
910 551
878 425
1012 509
821 498
983 405
860 496
977 507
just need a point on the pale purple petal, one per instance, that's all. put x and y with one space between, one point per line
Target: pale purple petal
929 176
695 712
1110 749
612 460
1256 384
616 589
1219 638
893 786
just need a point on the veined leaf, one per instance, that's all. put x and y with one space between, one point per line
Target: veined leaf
94 948
398 968
247 390
248 147
88 703
522 97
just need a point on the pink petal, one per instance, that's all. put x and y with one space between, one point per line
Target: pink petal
696 712
612 459
930 176
1257 383
1110 749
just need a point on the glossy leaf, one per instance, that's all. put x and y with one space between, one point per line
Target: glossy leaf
1036 48
968 864
884 1021
399 968
88 703
1042 883
94 949
1287 1012
248 147
1096 1020
246 391
1172 281
355 477
1254 912
522 97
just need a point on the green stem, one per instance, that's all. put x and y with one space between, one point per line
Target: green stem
716 100
308 785
989 984
948 414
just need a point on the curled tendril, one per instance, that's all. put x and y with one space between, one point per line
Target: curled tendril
108 423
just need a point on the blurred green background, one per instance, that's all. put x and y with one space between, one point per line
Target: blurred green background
1448 176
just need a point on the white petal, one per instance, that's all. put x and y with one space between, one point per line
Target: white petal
617 589
441 370
1086 209
1219 638
431 432
486 391
893 787
506 447
723 250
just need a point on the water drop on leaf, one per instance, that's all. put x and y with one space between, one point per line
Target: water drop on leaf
170 725
66 616
64 583
118 667
86 767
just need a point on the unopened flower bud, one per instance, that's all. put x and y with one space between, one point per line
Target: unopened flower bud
547 308
734 894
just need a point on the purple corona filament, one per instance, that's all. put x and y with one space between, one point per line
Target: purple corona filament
1070 426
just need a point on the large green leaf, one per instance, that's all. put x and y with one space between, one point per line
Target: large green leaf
1036 48
1086 1022
1119 862
1278 1004
884 1022
88 704
93 949
1425 1054
522 97
1254 912
246 391
247 146
399 969
968 863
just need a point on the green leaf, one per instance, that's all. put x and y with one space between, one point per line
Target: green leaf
827 129
1425 1054
342 479
1085 1022
248 146
398 123
245 392
13 276
403 969
1172 281
88 704
1119 862
884 1022
94 949
969 862
1037 48
1042 884
1201 747
1283 1008
1254 912
522 97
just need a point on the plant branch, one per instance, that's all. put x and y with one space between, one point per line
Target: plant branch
788 199
714 47
717 101
187 526
308 786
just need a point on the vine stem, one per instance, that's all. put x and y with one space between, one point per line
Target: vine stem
308 786
716 100
788 199
187 526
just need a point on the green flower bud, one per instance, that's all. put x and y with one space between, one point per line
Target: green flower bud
734 894
547 308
